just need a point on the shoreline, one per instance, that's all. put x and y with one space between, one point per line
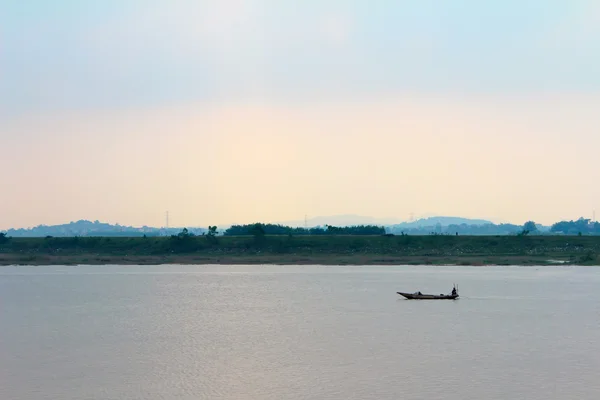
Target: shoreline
304 250
39 260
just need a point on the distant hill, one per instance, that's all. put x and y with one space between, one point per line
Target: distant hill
342 220
453 225
424 226
443 221
352 219
96 228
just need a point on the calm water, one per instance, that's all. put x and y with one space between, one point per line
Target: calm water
183 332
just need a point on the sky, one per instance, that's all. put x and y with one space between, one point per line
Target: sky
237 111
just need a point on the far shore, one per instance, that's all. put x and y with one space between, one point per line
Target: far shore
191 259
304 250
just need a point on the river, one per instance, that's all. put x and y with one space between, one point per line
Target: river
298 332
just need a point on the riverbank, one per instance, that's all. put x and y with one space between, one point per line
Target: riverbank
304 250
278 260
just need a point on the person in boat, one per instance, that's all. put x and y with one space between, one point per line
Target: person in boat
453 291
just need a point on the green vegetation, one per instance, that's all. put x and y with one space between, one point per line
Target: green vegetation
261 248
579 227
272 229
426 227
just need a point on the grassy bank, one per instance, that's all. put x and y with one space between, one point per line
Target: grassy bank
327 250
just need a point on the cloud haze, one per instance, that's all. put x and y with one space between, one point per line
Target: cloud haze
236 111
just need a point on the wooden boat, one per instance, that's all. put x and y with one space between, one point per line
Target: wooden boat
417 296
421 296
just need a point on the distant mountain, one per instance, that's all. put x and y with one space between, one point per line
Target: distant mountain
424 226
443 221
342 220
453 225
96 228
351 219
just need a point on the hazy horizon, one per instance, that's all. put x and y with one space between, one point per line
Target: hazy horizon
311 222
237 111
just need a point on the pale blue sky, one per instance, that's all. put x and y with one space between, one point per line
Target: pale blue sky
242 110
118 53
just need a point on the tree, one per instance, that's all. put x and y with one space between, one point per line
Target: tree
583 225
211 235
529 227
257 231
3 237
185 233
258 234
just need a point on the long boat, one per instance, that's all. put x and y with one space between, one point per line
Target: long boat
417 296
421 296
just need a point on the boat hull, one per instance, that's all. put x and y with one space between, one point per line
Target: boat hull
415 296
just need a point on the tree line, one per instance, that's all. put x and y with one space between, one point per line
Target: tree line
581 226
276 229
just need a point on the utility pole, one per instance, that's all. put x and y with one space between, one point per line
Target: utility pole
167 220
